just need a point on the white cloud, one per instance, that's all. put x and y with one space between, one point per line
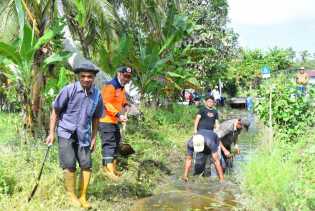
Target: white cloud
264 12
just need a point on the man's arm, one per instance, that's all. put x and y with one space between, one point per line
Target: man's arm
95 122
235 141
198 117
216 124
52 126
225 151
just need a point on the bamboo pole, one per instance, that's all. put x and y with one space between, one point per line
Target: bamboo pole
270 119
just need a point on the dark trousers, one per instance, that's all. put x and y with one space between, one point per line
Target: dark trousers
70 152
201 159
110 135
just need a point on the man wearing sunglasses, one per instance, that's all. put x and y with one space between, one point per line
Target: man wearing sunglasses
115 102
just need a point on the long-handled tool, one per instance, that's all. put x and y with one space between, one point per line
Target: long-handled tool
40 174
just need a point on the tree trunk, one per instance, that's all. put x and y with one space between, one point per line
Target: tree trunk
36 91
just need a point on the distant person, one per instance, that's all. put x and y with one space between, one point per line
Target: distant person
196 98
216 94
188 97
209 93
76 113
302 80
204 144
250 104
228 133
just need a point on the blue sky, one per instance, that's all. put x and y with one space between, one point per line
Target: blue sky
268 23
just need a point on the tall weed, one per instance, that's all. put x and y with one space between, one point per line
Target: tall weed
283 177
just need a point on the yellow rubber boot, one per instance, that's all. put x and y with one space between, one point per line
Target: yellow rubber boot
69 178
109 172
116 172
84 184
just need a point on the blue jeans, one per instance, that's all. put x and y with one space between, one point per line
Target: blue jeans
301 90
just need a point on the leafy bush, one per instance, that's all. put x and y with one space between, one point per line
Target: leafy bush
282 177
291 113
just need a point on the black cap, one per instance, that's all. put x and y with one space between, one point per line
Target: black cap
85 66
124 69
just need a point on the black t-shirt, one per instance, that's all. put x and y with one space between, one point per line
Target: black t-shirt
208 117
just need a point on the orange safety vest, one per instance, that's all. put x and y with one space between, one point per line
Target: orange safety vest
114 99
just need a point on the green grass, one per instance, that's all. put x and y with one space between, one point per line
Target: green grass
282 178
10 124
160 136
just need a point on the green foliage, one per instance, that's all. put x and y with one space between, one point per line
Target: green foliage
55 84
283 177
213 41
6 183
246 70
18 59
160 66
291 114
177 115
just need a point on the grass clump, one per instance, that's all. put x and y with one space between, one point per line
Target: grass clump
282 178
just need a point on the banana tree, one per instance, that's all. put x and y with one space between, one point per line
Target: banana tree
150 47
25 61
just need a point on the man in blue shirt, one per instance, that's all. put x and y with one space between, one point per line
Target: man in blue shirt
204 143
76 112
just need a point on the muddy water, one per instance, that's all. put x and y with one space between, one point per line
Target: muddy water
203 193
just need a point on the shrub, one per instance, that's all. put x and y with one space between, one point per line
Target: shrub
291 113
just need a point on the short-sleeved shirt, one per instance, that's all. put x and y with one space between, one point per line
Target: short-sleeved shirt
211 142
227 132
208 118
76 111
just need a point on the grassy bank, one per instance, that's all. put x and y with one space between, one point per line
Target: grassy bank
158 139
282 178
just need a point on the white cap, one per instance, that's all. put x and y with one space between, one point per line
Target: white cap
198 143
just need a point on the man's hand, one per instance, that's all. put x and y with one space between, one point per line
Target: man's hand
227 153
184 178
93 144
122 118
238 151
50 139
